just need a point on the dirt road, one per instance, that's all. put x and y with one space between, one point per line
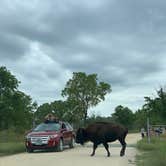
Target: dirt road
79 156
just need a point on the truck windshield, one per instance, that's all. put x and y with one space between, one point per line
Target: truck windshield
48 127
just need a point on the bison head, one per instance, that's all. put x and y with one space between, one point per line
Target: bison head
80 136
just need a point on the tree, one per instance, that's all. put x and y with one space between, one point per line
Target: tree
41 112
156 107
22 111
124 116
57 108
86 91
16 108
8 86
8 82
64 110
140 118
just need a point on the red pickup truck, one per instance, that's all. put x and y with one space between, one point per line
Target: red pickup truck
50 135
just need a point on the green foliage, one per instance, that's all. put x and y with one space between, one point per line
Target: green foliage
64 110
8 82
9 148
154 108
86 91
11 142
153 154
11 135
57 108
140 118
124 116
41 112
16 108
157 107
144 145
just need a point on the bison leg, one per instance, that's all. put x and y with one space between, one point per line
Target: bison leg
94 148
123 143
106 147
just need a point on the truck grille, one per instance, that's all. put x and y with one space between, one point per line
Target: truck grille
39 140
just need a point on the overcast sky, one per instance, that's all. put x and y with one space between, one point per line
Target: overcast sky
124 41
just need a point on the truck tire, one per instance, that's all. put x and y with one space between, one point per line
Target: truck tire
60 146
71 145
29 150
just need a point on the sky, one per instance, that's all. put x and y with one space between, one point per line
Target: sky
43 42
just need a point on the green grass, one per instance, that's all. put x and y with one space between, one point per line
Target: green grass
11 148
153 153
11 136
11 142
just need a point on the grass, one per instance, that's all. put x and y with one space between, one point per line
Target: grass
11 148
153 153
11 142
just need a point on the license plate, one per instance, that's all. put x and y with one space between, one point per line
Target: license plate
38 142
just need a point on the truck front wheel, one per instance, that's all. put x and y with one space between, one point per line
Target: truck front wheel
29 150
60 146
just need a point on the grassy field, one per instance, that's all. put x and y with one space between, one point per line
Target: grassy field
153 153
11 148
11 143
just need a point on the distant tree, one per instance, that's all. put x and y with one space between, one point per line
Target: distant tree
71 112
8 86
23 110
86 91
41 112
8 82
124 116
140 118
58 108
156 107
64 110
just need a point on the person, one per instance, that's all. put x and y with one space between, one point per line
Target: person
50 118
142 132
158 131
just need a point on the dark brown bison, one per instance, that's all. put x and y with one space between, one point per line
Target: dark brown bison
102 133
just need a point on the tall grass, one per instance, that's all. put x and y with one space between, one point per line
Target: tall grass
11 136
11 142
11 148
153 153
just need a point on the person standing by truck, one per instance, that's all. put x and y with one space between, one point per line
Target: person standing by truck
142 132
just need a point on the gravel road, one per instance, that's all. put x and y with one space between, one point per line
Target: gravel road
79 156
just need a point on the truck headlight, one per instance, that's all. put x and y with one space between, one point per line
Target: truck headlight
28 138
53 136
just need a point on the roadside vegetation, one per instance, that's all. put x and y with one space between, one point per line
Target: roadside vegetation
9 148
11 142
153 153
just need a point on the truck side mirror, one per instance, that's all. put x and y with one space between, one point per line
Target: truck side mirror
63 126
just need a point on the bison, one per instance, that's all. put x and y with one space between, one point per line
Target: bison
102 133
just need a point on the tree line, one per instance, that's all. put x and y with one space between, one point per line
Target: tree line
19 112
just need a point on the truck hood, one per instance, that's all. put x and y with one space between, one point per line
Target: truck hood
42 133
